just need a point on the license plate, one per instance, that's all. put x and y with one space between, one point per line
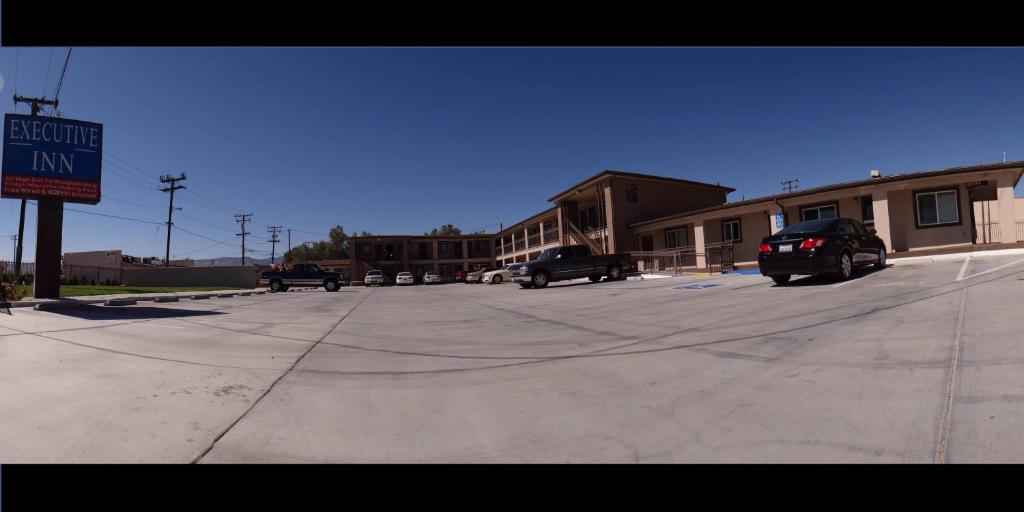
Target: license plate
786 248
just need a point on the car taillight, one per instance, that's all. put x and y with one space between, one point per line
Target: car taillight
765 249
812 242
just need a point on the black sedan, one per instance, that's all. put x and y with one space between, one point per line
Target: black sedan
827 246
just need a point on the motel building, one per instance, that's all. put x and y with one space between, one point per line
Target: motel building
948 210
419 254
945 210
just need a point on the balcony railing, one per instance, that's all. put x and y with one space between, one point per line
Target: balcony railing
550 235
533 240
507 248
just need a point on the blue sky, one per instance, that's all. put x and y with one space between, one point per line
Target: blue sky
400 140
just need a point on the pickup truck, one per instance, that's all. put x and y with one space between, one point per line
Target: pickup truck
302 274
570 262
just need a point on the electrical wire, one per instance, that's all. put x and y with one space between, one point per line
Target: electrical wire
49 63
63 71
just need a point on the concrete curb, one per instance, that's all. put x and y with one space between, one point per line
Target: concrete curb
165 299
58 305
120 302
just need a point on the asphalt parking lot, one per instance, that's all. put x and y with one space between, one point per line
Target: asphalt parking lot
914 363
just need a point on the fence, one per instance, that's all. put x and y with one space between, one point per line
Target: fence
70 274
991 233
716 258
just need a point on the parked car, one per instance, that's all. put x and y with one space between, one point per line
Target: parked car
302 274
498 275
460 276
570 262
476 275
376 277
828 246
431 278
404 278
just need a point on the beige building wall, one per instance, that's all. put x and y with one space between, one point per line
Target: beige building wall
105 259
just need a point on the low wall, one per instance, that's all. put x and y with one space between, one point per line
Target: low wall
232 277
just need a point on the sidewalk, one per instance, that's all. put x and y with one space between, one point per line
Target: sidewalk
100 299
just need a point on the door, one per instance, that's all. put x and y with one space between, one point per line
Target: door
583 262
563 266
856 239
872 243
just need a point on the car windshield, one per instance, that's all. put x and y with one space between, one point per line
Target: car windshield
405 274
373 273
811 226
548 254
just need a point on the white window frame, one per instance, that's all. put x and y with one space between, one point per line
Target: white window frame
818 207
686 237
739 230
938 222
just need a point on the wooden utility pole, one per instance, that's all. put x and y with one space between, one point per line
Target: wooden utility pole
273 241
170 209
242 218
36 104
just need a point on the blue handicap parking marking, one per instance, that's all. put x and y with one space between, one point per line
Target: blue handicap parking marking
697 286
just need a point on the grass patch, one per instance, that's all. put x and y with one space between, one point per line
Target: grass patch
86 290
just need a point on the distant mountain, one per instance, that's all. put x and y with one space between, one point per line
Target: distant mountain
231 261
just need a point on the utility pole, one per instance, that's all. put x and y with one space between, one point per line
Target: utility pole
173 180
789 185
289 239
35 103
14 238
242 218
273 241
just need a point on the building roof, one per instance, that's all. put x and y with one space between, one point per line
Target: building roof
432 237
549 211
628 174
839 186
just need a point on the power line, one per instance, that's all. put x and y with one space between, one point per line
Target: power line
49 63
109 198
242 218
63 71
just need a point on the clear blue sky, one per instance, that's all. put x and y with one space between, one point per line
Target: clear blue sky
402 140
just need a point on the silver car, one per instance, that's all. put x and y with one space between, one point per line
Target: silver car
374 277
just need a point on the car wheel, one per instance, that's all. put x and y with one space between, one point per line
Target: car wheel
496 280
594 279
845 267
880 264
614 273
276 285
331 285
284 288
539 280
781 279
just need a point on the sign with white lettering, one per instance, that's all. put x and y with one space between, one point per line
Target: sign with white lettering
779 220
51 157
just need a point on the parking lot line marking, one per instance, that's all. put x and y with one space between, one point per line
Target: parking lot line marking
961 277
954 362
963 268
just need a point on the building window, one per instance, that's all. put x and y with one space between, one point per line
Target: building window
731 231
631 194
678 237
821 211
938 208
867 210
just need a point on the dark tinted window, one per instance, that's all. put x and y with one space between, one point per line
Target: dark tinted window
582 251
811 226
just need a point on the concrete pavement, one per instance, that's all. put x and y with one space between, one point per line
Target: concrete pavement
907 364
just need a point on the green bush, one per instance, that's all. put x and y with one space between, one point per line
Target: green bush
12 291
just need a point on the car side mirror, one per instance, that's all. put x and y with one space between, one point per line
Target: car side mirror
558 256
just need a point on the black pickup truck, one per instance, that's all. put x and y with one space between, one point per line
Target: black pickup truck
570 262
302 274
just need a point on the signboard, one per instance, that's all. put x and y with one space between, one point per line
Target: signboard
51 157
779 220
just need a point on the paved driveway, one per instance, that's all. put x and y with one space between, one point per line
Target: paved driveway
915 363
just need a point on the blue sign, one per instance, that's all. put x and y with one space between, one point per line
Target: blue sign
780 220
51 157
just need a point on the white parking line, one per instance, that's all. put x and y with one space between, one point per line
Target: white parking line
961 277
963 269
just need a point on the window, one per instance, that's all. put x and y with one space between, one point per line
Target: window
731 231
938 208
678 237
867 210
444 250
821 211
631 194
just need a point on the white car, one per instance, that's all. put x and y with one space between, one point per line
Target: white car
431 277
404 278
374 277
498 276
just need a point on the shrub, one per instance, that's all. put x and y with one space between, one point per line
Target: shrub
27 279
12 291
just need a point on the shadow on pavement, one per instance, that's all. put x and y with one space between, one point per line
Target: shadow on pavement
93 312
825 280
